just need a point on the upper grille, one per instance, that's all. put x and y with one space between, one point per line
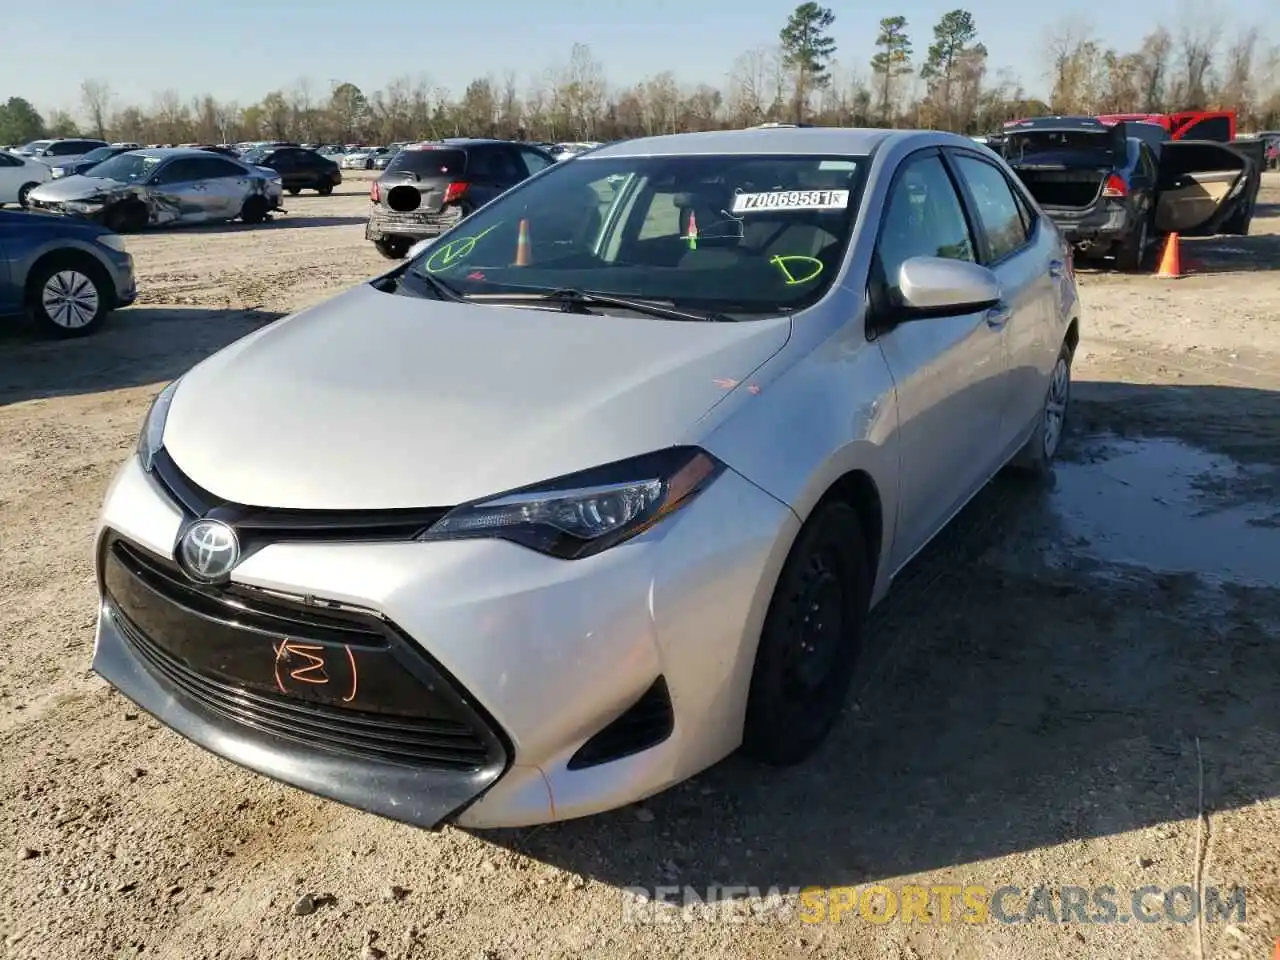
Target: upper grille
330 679
256 526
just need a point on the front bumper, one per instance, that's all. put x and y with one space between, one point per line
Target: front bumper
546 653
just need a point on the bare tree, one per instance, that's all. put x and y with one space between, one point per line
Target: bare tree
1239 91
750 93
1153 69
1197 47
95 96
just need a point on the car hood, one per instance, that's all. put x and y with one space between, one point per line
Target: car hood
378 401
77 187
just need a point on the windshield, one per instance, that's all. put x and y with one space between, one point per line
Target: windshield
100 154
746 234
126 168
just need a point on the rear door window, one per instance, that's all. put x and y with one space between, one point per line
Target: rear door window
495 164
213 168
429 162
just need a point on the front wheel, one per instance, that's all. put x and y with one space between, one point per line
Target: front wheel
23 192
69 298
294 191
325 189
811 639
393 248
1036 457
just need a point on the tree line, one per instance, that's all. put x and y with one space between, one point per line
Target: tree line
950 84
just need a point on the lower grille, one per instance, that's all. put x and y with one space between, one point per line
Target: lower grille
334 680
646 724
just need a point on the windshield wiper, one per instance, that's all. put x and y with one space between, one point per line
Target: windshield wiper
403 276
578 300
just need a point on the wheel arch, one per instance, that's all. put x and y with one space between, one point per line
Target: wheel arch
71 257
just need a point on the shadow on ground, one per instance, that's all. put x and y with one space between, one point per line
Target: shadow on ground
1027 690
283 221
136 346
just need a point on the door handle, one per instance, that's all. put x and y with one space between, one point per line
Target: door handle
1055 268
998 316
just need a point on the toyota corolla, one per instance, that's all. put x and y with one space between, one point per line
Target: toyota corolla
596 488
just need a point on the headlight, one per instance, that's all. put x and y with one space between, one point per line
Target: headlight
114 241
83 206
59 172
151 440
582 514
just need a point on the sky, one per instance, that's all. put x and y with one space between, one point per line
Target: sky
239 50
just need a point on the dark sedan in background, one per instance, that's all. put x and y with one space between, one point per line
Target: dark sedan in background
299 169
90 160
65 274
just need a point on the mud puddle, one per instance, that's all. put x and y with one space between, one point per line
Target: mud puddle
1168 507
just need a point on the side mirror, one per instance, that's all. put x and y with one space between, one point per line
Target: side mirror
419 247
936 286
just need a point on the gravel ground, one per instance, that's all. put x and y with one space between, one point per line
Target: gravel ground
1076 686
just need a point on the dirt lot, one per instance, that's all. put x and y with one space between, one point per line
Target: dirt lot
1061 686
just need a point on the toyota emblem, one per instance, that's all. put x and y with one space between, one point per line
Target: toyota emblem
208 551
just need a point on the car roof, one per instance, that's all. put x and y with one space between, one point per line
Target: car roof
168 153
1092 124
846 141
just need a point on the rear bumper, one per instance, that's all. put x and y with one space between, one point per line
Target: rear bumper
417 226
1106 222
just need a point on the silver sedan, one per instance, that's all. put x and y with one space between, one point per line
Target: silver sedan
595 488
163 186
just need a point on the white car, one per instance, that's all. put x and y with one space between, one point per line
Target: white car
19 176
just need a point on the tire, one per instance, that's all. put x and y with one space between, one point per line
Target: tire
325 190
1036 457
1132 253
294 191
69 296
23 192
254 210
811 639
393 248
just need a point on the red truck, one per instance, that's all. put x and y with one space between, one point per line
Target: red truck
1216 125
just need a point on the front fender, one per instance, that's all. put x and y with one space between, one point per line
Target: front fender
807 417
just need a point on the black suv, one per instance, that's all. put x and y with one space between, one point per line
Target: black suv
428 187
299 169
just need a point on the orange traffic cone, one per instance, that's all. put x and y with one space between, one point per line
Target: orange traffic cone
1276 955
522 245
1171 259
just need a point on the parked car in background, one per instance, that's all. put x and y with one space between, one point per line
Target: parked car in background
563 151
299 169
380 161
88 161
65 274
538 511
428 187
19 175
61 152
164 186
362 159
1116 187
1093 180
